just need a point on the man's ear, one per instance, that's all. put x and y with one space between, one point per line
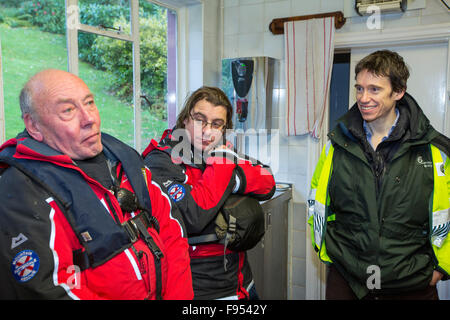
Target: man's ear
32 127
399 95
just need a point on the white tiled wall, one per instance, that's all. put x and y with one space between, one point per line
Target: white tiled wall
246 33
195 55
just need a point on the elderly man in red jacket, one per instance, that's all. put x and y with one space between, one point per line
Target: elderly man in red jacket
80 217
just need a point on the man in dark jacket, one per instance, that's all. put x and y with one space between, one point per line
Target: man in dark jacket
379 200
80 217
200 171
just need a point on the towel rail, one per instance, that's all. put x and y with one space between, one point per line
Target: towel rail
277 25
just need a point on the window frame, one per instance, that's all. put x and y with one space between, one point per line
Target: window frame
2 102
73 26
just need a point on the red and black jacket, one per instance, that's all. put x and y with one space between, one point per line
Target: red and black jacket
199 188
63 235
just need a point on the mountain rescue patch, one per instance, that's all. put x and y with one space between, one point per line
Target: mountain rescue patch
25 265
177 192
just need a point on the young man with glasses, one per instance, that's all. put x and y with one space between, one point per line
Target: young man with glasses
200 170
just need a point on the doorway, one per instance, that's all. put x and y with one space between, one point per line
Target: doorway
339 87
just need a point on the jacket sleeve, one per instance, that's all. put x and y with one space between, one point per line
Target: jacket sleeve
173 235
35 244
198 202
253 178
317 196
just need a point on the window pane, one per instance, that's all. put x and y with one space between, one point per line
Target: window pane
155 56
104 13
27 49
105 64
114 61
111 81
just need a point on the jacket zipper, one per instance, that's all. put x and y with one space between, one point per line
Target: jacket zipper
139 257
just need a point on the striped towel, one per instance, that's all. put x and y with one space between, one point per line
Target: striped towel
309 50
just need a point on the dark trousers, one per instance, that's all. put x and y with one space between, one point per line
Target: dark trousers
338 289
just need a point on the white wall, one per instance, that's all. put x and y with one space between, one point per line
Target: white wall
199 47
246 33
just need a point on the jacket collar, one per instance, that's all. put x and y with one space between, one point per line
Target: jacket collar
28 148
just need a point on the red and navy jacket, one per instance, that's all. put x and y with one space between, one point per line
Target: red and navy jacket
199 188
64 236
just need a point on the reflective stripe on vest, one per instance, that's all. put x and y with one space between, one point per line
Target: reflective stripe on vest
441 200
318 202
441 208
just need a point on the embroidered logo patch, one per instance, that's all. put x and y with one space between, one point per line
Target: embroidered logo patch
17 241
25 265
425 164
177 192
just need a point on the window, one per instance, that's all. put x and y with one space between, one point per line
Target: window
132 91
25 51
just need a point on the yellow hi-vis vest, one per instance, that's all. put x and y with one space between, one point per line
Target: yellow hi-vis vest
319 202
440 213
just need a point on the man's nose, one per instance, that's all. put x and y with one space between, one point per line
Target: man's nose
87 115
207 128
364 96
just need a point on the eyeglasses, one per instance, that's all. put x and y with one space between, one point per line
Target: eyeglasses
200 120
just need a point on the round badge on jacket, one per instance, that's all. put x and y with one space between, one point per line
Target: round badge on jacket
25 265
177 192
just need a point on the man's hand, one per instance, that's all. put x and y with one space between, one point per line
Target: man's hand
437 276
